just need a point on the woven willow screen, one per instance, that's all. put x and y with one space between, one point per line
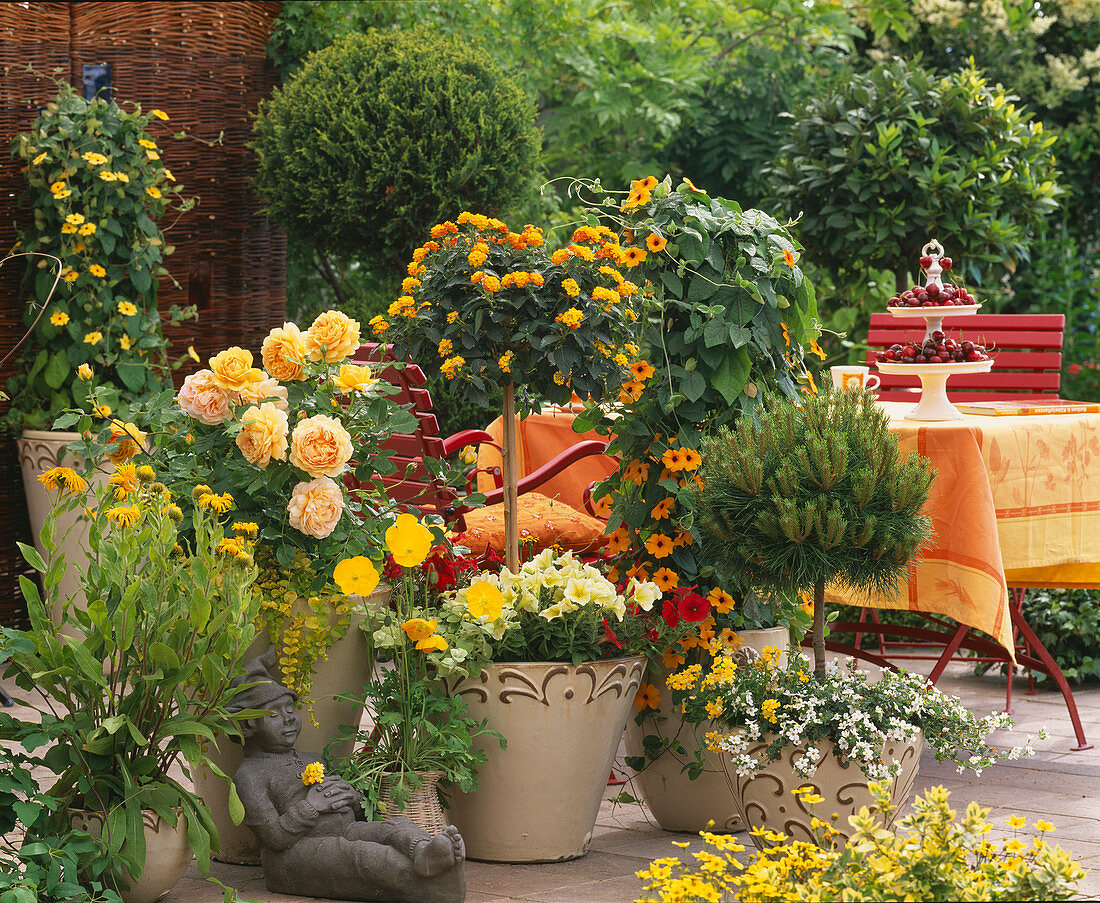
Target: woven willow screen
203 63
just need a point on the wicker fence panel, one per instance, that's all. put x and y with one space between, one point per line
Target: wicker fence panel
204 64
34 34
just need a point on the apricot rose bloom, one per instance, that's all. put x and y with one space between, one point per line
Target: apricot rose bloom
266 389
233 369
263 434
203 398
316 507
130 440
320 446
353 378
283 352
334 332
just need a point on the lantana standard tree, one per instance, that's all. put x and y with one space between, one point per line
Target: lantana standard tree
499 309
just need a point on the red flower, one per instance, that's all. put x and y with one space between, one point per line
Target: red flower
670 613
391 570
609 635
694 608
440 569
651 634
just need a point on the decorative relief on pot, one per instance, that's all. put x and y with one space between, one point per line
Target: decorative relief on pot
518 683
767 799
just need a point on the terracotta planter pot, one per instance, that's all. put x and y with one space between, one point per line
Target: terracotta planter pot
767 800
345 671
167 853
538 799
677 802
39 451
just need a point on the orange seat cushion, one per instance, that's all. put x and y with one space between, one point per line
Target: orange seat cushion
543 521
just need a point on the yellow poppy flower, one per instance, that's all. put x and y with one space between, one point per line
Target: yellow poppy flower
356 576
483 600
408 541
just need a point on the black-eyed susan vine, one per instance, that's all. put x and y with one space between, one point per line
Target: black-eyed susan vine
728 316
96 188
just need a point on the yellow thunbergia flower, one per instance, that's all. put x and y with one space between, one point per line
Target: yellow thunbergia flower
125 342
127 308
647 697
356 576
86 229
160 114
122 177
152 191
147 144
107 176
59 318
74 219
96 270
42 156
93 338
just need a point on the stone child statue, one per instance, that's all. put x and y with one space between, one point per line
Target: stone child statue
313 841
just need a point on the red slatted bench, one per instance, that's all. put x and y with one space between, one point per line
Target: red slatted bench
1026 351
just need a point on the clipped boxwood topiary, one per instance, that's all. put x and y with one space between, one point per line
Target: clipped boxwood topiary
382 135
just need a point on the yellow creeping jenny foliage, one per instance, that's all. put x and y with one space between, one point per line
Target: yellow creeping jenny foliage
929 855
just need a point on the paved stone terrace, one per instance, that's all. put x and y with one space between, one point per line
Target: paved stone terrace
1056 784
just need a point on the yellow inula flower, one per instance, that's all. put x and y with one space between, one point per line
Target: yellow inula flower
313 773
213 501
124 479
124 515
72 481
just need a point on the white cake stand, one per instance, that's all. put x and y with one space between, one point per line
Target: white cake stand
934 316
933 403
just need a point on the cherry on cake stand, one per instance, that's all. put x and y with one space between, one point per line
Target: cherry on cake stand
933 404
934 316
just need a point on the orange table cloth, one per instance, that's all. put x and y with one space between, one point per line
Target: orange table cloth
542 437
1016 502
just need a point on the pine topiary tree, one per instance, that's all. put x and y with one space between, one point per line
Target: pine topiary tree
381 135
811 493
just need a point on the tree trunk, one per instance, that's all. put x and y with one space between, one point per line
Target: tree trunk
511 480
819 628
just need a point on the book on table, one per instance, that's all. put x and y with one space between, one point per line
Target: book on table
1033 406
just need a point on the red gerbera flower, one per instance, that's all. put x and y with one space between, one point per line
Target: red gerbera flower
694 608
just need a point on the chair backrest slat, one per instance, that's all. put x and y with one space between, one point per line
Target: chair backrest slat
1026 352
416 488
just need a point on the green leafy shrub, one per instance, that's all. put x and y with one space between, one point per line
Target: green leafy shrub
1067 622
381 135
96 189
897 155
729 315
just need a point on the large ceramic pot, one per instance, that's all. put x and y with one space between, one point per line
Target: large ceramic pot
347 668
537 800
39 451
167 853
767 799
677 802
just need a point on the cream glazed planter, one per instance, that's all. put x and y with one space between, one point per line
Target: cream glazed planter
537 800
167 853
767 799
677 802
345 671
39 451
